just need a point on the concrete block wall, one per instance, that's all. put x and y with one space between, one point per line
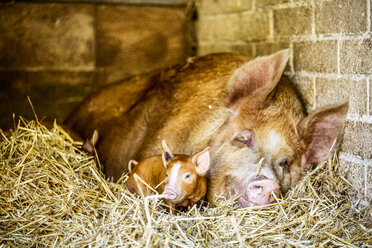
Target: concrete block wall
331 58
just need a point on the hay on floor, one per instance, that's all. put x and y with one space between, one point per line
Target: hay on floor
52 194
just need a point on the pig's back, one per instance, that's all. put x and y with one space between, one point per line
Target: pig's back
110 102
151 170
115 101
183 105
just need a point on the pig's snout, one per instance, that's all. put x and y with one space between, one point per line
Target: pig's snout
170 194
259 191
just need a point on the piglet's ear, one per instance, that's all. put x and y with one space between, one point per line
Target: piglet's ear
90 144
202 162
253 81
321 131
130 165
167 155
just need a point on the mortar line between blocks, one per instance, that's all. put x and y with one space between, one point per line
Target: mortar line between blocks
338 57
354 159
368 15
357 118
291 58
357 160
222 42
331 75
323 37
365 180
368 97
289 5
314 92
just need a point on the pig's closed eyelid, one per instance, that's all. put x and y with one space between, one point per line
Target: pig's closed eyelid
286 161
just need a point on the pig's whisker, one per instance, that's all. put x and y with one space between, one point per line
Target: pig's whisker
333 145
259 165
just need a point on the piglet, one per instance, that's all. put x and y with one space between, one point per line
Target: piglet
182 179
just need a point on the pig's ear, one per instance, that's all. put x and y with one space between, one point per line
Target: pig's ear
253 81
167 155
321 131
130 165
202 162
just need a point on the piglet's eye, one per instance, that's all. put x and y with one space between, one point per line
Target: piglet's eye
187 176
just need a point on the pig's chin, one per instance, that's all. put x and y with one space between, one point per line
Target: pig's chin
243 202
177 200
239 189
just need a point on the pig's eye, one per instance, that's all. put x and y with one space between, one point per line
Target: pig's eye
284 163
244 138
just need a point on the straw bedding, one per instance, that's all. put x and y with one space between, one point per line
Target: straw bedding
52 194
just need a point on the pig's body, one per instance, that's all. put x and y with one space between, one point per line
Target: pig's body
133 117
151 170
182 179
247 113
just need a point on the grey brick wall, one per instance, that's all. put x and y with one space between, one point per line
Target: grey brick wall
331 57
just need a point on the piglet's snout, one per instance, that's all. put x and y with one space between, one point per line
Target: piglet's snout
170 194
259 191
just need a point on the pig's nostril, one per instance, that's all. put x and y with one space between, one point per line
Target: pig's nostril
257 189
260 192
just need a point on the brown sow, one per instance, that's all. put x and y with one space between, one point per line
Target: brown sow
248 113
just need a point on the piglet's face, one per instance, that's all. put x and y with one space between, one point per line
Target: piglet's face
183 173
181 179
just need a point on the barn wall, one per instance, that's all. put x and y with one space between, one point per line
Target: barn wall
331 57
57 53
